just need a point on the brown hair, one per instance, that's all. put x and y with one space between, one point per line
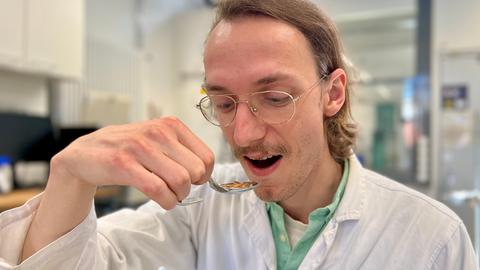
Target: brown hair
327 50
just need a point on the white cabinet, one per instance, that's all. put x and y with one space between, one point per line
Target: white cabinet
11 33
54 34
43 36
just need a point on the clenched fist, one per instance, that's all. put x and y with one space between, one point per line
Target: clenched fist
161 158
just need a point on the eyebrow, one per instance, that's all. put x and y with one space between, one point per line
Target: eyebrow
273 78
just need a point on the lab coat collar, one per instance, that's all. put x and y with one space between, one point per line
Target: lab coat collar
257 224
354 198
350 208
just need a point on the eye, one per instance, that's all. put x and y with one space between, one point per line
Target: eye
223 104
275 98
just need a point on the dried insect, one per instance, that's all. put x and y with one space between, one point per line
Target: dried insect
238 185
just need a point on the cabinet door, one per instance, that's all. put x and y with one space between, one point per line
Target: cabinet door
11 33
55 36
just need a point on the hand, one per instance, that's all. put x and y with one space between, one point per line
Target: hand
161 158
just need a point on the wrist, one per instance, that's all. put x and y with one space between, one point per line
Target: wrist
60 177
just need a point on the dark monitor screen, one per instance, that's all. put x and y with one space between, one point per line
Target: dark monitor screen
25 137
68 135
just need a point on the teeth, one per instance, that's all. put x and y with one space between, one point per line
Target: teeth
261 158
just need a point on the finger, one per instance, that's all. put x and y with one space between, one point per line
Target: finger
189 160
154 187
196 145
187 155
176 176
156 157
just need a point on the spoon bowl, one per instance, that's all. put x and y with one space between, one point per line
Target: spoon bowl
232 187
229 188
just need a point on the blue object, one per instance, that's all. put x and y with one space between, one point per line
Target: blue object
5 160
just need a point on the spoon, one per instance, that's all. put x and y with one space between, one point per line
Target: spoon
230 188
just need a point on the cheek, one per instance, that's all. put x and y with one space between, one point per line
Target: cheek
228 134
307 134
311 110
308 122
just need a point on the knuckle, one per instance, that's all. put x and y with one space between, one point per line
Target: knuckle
175 123
158 192
209 158
121 160
171 121
182 177
151 188
198 172
158 134
138 146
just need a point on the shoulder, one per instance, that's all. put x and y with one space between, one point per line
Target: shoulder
370 195
399 197
388 218
422 223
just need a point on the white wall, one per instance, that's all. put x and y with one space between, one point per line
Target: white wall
456 25
174 55
160 71
23 93
174 50
114 58
111 22
113 68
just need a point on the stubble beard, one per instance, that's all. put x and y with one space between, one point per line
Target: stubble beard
294 181
270 195
289 189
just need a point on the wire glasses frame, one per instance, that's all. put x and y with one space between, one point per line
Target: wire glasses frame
272 107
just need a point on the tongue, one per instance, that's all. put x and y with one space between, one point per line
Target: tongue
265 163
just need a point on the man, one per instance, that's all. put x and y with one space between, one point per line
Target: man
276 85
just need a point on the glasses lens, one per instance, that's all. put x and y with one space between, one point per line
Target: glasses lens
219 110
274 107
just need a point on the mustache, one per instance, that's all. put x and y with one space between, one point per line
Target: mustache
243 151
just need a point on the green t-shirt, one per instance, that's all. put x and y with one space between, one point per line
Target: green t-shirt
288 258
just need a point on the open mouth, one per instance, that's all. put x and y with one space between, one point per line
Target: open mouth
264 163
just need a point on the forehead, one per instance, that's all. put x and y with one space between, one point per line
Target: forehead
248 48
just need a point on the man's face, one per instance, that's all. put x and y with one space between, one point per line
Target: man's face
253 54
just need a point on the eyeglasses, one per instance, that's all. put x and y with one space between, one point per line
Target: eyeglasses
273 107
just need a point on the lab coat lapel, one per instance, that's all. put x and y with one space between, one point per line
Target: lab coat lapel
257 224
350 209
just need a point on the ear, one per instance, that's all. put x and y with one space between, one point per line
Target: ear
335 94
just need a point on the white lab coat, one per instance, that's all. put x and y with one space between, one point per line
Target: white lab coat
379 224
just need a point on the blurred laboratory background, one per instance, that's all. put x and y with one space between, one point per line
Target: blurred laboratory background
68 68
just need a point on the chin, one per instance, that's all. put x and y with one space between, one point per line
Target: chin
268 195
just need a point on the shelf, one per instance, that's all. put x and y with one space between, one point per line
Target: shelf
19 197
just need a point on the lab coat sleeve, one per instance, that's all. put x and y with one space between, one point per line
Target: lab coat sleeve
456 253
14 225
147 238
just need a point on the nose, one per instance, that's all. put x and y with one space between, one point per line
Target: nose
248 128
